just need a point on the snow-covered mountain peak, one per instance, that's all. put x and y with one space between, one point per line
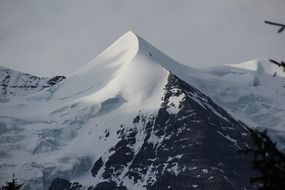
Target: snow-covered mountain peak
130 68
260 67
121 52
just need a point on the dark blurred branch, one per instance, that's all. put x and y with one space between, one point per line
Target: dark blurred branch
282 26
279 64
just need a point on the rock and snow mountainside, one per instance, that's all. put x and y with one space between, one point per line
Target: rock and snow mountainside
253 91
14 83
133 118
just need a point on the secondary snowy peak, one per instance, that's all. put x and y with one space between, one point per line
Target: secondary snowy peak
260 67
253 91
14 83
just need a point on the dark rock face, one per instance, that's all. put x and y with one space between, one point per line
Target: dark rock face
196 146
55 80
60 184
107 185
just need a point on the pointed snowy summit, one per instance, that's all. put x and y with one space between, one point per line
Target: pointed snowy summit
130 67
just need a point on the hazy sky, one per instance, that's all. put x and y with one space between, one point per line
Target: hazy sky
48 37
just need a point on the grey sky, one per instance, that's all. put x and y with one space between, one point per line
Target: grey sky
57 37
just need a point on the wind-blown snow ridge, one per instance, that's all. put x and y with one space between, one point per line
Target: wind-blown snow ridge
130 68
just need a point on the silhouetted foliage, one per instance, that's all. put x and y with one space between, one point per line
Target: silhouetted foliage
279 64
282 27
12 185
268 160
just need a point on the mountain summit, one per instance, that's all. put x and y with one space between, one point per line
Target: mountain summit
130 69
132 118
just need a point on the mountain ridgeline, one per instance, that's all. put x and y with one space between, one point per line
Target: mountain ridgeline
14 83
